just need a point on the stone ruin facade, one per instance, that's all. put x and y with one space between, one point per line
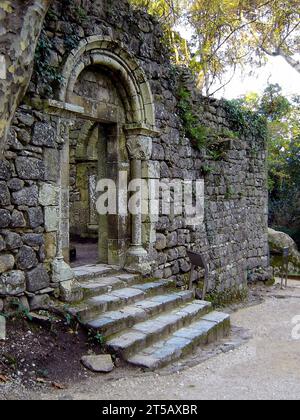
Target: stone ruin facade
103 98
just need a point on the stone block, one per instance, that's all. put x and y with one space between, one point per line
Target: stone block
2 328
5 218
98 364
4 194
151 169
35 217
43 135
26 196
15 184
33 239
37 279
50 245
30 168
161 241
12 283
5 170
13 240
49 195
52 164
51 219
7 263
17 219
26 258
39 302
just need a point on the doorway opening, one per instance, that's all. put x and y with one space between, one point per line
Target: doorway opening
95 154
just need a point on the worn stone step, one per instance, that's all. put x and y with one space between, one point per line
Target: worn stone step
209 328
93 271
145 333
119 298
115 321
106 284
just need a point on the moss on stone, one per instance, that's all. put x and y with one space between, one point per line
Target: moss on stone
220 299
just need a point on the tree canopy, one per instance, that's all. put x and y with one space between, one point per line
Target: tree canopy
283 118
228 33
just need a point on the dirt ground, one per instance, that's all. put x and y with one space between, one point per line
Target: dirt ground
259 361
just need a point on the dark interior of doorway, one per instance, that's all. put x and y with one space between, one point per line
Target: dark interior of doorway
83 251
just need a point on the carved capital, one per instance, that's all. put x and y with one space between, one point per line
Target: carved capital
139 147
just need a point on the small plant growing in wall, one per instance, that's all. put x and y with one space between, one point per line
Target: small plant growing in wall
43 68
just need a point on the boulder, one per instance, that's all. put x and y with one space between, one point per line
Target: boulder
98 364
279 240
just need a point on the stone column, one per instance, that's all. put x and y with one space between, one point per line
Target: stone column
62 272
140 149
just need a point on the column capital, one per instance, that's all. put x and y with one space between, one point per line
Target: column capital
139 147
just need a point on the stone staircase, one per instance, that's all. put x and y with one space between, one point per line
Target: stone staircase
147 323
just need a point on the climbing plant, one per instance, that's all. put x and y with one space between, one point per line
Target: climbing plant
49 74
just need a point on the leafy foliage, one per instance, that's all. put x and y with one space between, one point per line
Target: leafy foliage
201 136
49 74
244 121
283 118
228 33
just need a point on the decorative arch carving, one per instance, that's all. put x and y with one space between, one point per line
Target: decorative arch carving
107 53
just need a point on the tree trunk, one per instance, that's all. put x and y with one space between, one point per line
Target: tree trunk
20 26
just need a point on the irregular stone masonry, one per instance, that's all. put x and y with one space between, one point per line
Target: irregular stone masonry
234 234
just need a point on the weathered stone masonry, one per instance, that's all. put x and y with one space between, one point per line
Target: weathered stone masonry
146 137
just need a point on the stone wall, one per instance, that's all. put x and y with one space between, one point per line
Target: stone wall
28 206
233 235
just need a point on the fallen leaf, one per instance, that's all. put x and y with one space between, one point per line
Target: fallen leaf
42 381
58 386
3 378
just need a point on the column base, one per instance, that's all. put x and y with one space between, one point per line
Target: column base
137 260
61 271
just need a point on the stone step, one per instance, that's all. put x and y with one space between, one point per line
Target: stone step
94 271
209 328
145 333
119 298
99 286
113 322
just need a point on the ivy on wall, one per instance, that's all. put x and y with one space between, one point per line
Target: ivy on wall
201 136
49 74
243 121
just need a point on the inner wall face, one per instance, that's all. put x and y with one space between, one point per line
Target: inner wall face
97 151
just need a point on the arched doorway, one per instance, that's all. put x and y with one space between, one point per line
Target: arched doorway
107 92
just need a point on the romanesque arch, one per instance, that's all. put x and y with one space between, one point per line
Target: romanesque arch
107 53
138 127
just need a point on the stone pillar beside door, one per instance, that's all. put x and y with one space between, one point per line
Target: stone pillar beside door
139 146
61 271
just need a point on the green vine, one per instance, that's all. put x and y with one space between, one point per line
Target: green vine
49 74
201 136
197 133
243 121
